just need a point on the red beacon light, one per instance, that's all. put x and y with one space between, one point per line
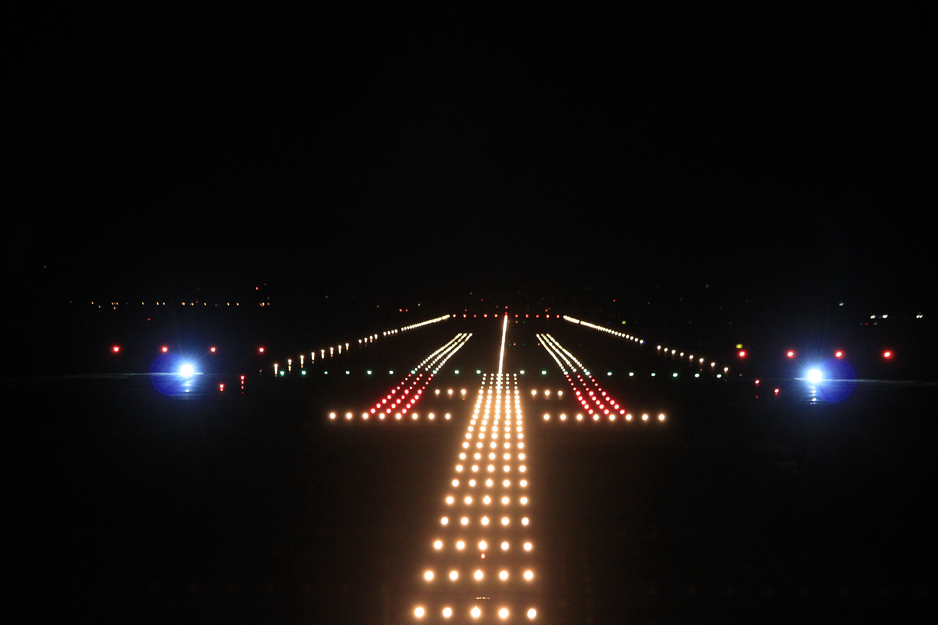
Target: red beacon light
116 349
839 353
260 350
211 349
887 354
742 353
164 349
790 353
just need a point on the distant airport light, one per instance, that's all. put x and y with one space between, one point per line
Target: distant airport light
815 376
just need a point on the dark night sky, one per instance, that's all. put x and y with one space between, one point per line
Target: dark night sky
200 150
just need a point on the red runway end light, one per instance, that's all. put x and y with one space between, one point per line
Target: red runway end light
260 350
790 353
221 387
776 391
839 353
164 349
211 349
757 382
887 354
115 349
742 353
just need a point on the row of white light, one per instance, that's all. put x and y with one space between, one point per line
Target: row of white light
634 339
700 362
435 360
595 417
337 349
423 323
414 416
116 304
487 440
476 612
661 350
553 347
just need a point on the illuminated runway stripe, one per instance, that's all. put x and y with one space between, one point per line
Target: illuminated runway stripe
415 382
501 351
587 390
482 561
